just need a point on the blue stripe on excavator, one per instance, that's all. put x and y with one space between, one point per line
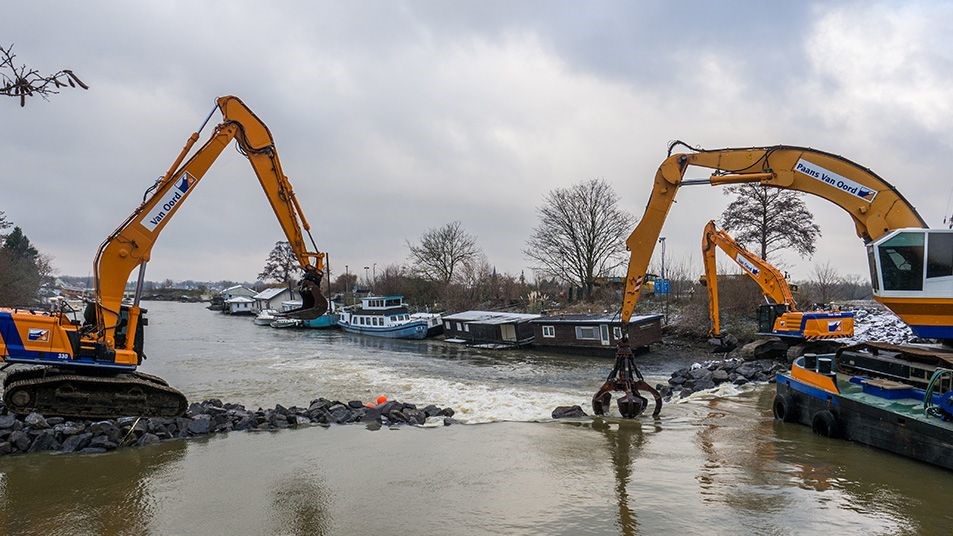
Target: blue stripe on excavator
933 332
9 334
18 354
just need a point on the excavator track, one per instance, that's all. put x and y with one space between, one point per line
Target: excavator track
55 391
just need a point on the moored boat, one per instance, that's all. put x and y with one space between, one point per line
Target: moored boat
328 320
434 322
265 317
383 316
285 323
876 395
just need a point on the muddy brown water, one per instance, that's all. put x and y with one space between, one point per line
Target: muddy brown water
711 465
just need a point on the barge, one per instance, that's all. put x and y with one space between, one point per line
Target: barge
884 396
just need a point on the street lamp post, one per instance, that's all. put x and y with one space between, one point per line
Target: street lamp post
366 278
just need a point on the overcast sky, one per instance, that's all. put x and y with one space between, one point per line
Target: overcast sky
393 117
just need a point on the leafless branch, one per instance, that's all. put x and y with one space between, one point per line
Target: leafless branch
22 81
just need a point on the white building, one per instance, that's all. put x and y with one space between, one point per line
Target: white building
237 290
272 298
240 305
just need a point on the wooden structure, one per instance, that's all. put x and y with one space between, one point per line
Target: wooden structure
599 334
489 329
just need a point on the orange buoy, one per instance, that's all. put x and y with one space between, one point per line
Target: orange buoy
381 400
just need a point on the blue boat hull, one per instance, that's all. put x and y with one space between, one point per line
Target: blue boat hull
412 330
324 321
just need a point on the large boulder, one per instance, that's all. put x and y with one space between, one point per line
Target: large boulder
20 440
76 442
36 421
200 424
568 412
46 440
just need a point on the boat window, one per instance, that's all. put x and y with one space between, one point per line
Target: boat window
459 327
901 260
940 255
466 327
446 324
549 332
587 333
393 303
617 332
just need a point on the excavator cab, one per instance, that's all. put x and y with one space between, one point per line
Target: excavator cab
909 267
768 314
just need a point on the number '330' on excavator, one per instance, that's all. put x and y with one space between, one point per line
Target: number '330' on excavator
88 369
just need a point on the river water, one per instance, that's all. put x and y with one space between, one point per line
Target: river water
714 464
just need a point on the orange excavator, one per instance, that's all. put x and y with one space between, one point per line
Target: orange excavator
780 324
88 369
911 265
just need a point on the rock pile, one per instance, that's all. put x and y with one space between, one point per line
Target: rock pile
36 433
710 374
879 325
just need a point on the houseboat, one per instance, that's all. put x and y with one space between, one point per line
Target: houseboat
382 316
273 298
881 395
489 329
594 333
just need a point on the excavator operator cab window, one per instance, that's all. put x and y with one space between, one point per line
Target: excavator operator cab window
939 254
872 262
901 261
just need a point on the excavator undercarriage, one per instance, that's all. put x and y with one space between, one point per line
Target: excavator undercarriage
69 392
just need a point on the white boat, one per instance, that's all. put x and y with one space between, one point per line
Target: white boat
265 317
284 323
434 322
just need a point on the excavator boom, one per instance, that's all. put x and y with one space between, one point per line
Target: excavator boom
772 282
897 237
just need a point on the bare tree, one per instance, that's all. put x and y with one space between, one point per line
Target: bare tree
825 282
281 266
770 219
442 251
22 81
581 234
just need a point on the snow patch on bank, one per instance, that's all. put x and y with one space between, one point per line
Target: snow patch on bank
879 325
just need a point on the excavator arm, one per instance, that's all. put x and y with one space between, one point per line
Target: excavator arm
130 246
875 206
772 282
